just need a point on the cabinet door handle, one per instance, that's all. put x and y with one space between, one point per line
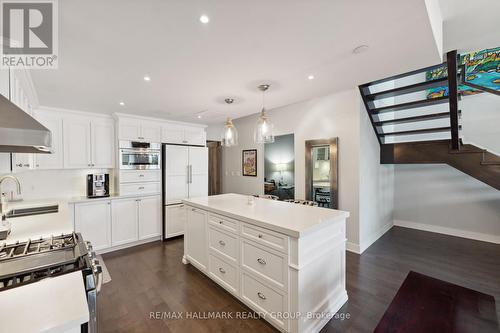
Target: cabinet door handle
193 209
38 165
19 165
221 242
220 222
261 295
222 270
27 165
260 236
261 261
141 187
141 175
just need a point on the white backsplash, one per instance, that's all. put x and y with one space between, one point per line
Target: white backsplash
53 184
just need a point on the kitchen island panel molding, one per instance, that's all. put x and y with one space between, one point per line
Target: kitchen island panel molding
308 257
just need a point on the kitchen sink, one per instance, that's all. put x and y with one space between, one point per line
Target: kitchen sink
28 211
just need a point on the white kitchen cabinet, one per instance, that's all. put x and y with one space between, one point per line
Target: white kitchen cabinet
176 173
54 160
195 241
198 164
175 220
125 222
88 143
22 162
93 221
76 133
138 130
150 131
149 217
103 144
183 134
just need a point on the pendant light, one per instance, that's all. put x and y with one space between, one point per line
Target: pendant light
230 134
264 131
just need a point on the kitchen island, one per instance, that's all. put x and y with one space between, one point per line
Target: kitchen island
285 261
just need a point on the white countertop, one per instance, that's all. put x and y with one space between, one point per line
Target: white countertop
288 218
42 225
111 197
51 305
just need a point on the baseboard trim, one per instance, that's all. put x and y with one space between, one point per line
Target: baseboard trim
449 231
353 247
375 236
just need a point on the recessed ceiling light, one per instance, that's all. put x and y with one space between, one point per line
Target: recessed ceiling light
360 49
199 116
147 78
310 77
122 103
204 19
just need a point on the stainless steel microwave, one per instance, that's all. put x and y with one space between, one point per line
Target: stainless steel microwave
140 155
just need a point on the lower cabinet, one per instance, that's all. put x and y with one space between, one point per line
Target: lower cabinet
125 222
93 221
175 220
149 217
118 221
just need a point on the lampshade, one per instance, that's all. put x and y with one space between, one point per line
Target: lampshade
281 167
230 134
264 129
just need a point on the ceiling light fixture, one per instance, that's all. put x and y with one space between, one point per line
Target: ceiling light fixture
264 131
360 49
198 116
310 77
122 103
147 78
204 19
230 134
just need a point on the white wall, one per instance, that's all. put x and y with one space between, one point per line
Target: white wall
442 199
339 115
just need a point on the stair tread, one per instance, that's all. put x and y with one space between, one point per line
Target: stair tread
431 116
410 105
408 89
419 131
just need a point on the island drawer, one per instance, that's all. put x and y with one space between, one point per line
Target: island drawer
266 237
264 299
223 273
223 243
266 263
223 223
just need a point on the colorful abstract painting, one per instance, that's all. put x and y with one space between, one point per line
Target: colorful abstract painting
481 68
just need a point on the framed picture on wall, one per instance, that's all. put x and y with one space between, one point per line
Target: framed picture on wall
249 162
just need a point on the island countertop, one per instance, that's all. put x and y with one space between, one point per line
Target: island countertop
288 218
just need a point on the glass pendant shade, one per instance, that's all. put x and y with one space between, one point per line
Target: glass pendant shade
264 131
230 134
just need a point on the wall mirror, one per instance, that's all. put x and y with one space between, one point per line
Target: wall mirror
279 167
322 172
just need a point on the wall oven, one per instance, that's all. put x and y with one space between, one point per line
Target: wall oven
140 155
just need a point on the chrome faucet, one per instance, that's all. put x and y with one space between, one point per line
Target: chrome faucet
3 202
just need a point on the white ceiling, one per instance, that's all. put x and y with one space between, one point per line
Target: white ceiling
470 25
106 47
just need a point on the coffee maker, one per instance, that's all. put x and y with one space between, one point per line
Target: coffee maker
97 185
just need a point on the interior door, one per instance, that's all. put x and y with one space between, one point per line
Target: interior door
198 162
176 173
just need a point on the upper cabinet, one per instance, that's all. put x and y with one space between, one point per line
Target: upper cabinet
149 130
88 142
183 134
133 129
54 122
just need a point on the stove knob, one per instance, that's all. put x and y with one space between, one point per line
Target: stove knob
92 254
95 262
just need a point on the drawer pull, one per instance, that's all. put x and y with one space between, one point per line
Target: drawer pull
141 188
260 235
261 261
220 222
261 295
222 243
141 175
222 270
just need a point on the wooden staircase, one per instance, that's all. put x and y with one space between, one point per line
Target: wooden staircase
427 134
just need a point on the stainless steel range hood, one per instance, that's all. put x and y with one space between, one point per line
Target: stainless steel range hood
21 133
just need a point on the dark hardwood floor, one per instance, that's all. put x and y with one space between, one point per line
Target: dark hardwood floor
151 278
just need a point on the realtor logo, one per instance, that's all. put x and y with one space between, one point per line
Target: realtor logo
29 34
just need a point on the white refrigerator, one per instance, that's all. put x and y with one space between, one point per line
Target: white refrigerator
185 175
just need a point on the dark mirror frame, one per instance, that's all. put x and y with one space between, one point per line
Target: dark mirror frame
334 183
